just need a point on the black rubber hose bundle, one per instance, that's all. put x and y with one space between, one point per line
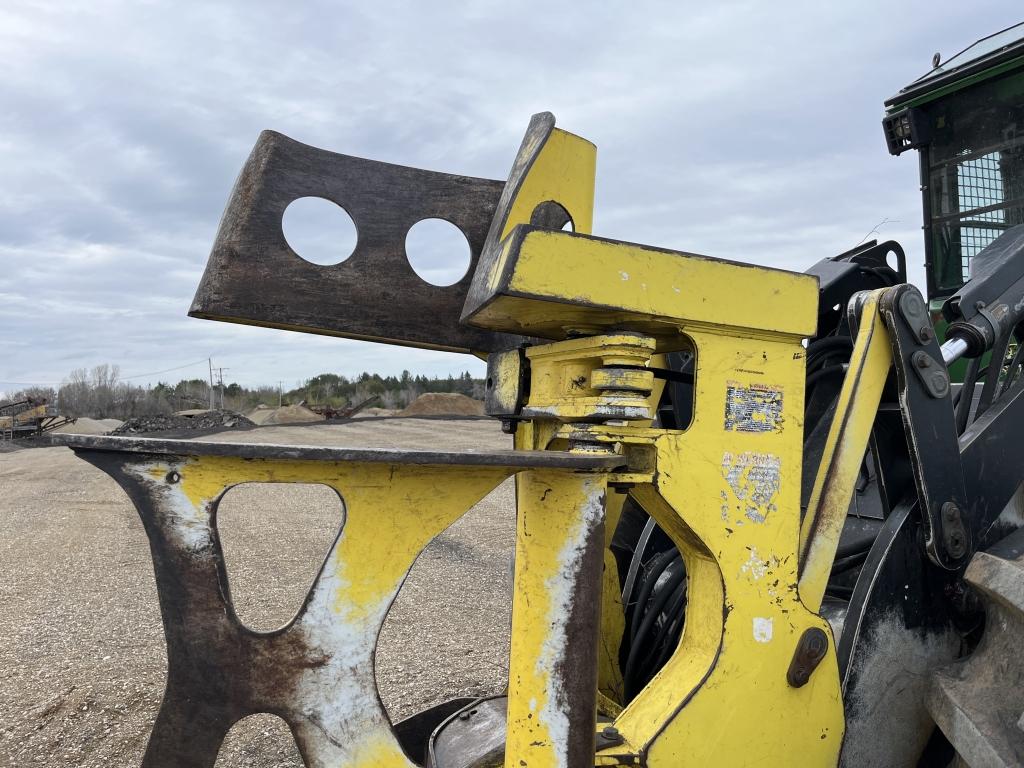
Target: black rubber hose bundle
640 649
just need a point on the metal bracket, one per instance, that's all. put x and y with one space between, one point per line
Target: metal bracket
932 374
929 424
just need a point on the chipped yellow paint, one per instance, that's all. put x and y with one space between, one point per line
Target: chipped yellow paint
556 511
378 750
391 512
844 451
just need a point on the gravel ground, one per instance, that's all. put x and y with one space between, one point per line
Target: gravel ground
82 663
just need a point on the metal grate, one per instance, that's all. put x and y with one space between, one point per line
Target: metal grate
979 185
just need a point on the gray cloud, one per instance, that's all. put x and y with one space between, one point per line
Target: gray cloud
743 130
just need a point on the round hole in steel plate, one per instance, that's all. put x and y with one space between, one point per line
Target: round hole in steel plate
319 231
438 251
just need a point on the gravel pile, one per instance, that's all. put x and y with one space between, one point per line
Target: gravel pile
86 426
207 420
286 414
444 404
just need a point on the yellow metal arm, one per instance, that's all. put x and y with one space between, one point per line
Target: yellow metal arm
844 452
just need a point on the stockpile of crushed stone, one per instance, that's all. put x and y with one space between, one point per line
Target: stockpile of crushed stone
200 421
443 404
286 414
86 426
375 412
291 414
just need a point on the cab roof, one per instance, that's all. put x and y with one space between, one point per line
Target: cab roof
1001 51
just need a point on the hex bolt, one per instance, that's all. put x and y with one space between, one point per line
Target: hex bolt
922 361
610 736
925 334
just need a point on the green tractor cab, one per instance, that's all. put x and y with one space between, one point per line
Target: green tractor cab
966 120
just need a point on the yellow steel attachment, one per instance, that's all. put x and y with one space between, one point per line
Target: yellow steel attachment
598 315
844 451
727 489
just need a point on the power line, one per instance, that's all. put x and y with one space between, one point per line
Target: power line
133 376
166 370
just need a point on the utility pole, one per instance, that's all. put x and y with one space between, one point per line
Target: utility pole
220 382
209 360
280 384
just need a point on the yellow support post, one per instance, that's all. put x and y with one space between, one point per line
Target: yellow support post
555 620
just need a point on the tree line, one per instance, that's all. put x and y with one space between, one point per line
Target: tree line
100 393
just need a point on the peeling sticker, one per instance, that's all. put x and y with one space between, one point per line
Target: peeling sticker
762 630
753 408
754 479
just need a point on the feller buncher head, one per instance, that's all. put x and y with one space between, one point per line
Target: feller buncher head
754 514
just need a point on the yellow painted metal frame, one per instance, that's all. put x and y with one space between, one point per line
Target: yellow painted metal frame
726 490
730 499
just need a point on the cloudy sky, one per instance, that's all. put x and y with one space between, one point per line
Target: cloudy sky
744 130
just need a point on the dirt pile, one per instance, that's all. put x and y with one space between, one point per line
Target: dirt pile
206 420
375 412
259 414
87 426
443 404
286 414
